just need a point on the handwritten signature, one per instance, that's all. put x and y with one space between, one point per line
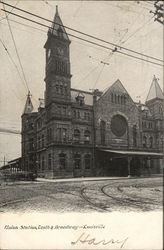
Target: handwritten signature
87 238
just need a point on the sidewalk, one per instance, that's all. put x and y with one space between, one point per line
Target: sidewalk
80 179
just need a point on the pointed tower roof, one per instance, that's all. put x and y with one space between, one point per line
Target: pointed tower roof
57 27
154 91
28 106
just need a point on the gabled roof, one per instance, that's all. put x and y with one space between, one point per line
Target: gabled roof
117 87
28 106
57 26
154 91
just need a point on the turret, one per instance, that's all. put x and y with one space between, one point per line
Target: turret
28 108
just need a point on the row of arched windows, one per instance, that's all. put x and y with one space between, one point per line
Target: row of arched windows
146 124
61 90
62 135
77 115
78 161
77 136
63 161
118 99
61 67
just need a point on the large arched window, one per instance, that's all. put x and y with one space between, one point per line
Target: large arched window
118 125
76 135
62 160
77 161
87 137
102 132
87 161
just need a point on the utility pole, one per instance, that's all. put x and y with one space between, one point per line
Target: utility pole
158 11
4 161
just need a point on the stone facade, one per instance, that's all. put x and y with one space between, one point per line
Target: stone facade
78 133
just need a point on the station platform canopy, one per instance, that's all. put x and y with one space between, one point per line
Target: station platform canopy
133 153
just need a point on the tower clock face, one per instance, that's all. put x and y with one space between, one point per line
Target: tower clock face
60 51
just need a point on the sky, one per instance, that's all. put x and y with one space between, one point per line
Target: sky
127 23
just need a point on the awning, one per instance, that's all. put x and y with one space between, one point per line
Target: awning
139 153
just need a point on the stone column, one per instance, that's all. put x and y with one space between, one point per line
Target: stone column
148 165
129 162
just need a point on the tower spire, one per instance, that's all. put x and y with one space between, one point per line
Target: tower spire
155 90
57 29
28 106
57 10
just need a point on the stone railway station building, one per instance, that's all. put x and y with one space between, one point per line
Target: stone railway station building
78 133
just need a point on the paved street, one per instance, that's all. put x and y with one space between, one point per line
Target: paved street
141 194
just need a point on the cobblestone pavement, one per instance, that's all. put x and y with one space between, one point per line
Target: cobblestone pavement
141 194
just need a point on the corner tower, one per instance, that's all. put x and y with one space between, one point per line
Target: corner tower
57 63
154 99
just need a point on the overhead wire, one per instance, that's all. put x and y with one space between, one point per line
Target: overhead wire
13 62
10 10
98 77
82 33
138 30
16 50
94 43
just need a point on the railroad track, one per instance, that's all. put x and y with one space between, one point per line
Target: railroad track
128 200
135 197
98 207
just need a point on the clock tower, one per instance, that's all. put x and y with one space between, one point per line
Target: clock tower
57 64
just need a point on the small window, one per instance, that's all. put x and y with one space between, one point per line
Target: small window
43 163
77 161
122 100
58 134
78 114
61 89
64 134
49 161
151 141
57 88
87 137
145 142
76 135
115 98
87 160
160 109
31 144
62 161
